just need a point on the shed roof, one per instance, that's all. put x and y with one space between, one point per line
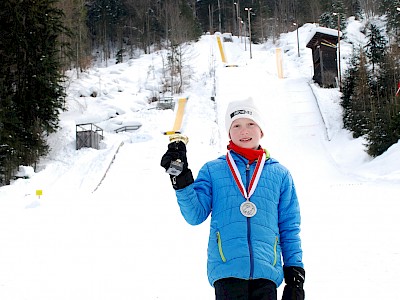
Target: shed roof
322 33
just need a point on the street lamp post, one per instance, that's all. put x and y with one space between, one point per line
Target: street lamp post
219 17
298 46
237 17
245 36
248 18
338 34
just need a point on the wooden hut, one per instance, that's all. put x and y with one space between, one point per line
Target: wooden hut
323 43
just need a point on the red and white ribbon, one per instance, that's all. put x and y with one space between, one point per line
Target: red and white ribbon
238 179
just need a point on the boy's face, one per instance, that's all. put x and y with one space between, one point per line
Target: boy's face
245 133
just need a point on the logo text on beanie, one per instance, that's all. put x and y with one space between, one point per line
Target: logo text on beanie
241 112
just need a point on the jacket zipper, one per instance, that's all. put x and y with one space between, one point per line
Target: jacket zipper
249 227
219 242
275 251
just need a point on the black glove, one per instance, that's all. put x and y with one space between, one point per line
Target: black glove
177 150
294 279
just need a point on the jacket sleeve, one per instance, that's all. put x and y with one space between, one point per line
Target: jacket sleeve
195 200
289 224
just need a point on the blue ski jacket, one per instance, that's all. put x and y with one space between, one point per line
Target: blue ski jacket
238 246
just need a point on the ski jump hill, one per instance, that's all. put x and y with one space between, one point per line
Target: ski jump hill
108 223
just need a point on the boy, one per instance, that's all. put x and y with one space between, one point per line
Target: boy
255 215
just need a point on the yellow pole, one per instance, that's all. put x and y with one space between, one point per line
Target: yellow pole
279 62
179 114
221 49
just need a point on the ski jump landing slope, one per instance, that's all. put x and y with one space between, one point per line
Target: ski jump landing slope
116 242
296 136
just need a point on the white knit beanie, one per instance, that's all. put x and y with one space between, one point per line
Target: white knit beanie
243 109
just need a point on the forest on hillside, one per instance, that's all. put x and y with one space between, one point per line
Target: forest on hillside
42 39
114 27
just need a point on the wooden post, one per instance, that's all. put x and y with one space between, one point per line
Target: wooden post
279 62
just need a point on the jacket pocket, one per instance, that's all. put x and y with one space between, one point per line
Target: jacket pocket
221 252
275 251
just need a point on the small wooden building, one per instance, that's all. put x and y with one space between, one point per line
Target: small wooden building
323 43
88 135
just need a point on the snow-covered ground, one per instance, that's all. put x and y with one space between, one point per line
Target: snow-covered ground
107 225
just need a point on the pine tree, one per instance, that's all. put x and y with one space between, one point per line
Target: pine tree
189 26
334 15
355 9
356 99
390 9
384 128
376 45
104 19
30 79
9 132
75 50
348 86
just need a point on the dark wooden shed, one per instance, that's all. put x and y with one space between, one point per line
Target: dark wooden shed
323 43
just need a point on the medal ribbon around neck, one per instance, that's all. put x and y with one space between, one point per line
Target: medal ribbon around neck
254 178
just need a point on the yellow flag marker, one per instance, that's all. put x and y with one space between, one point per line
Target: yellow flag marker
39 193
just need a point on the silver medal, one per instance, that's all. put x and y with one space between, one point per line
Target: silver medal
248 209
